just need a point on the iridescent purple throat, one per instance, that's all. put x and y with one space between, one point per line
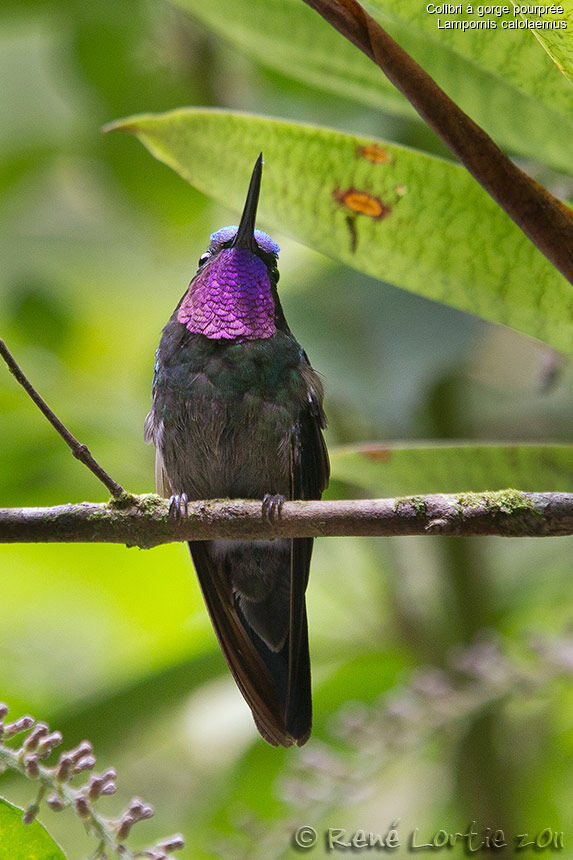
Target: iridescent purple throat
230 298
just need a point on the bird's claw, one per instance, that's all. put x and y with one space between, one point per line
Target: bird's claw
272 505
178 506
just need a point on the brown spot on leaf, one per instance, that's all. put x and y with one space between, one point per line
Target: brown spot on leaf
377 453
374 153
362 202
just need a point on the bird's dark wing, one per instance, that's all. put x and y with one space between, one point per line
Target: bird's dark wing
310 467
310 470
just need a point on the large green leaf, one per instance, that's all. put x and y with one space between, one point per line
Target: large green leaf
19 841
399 470
428 227
510 55
499 77
557 42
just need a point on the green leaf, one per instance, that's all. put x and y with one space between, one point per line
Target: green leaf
429 227
558 43
510 56
19 841
499 77
400 470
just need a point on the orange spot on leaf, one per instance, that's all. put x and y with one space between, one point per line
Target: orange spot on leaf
377 453
362 203
374 153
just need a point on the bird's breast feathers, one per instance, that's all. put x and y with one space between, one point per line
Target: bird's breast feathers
223 416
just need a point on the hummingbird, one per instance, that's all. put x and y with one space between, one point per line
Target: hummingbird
237 413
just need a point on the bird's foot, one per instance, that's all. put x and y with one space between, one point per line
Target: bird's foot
178 506
272 505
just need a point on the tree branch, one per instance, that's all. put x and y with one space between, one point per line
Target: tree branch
145 521
543 218
81 452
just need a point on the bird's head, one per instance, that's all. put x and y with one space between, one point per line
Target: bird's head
233 295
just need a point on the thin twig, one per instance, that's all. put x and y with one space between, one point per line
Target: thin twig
80 451
144 521
541 216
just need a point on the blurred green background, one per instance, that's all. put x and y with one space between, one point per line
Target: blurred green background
98 241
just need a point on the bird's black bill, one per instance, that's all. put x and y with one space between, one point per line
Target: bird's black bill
245 237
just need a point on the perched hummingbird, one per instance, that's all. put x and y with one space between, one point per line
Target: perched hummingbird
237 413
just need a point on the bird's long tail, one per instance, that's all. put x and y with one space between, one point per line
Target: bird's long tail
265 641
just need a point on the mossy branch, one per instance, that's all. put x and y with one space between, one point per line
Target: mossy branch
145 521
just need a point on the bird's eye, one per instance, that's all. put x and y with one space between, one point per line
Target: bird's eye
204 257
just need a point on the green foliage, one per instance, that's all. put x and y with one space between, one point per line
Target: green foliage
20 841
98 241
511 56
503 81
445 468
558 43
